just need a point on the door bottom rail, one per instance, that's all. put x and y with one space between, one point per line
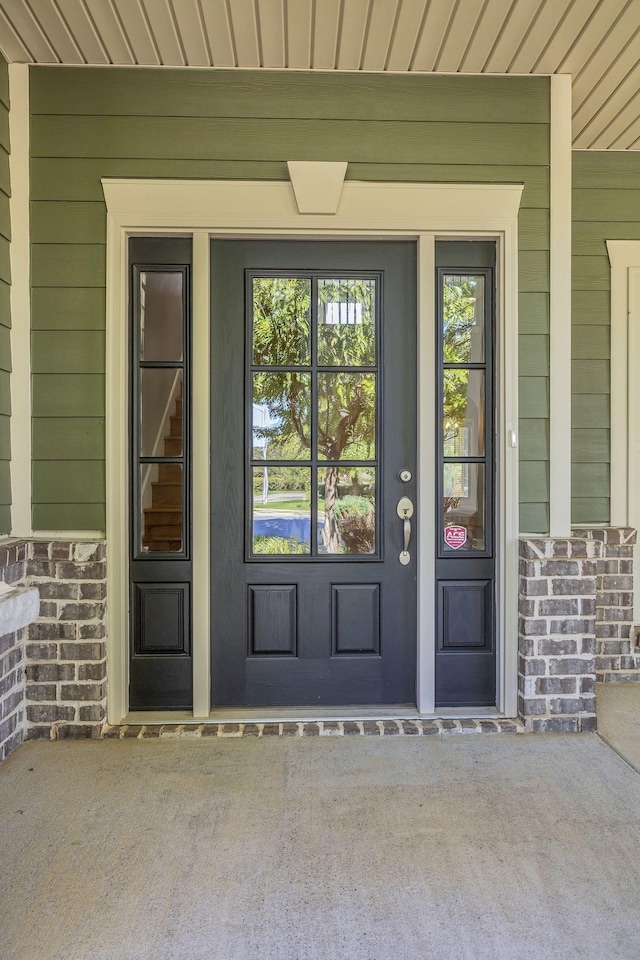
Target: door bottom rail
306 728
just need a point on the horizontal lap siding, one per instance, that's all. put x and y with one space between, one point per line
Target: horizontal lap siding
5 306
87 124
606 206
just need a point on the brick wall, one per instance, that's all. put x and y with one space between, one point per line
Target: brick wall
13 562
557 634
65 656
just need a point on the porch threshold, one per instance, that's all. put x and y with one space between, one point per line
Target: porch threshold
135 726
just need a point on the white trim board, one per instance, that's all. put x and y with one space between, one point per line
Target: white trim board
268 209
560 309
20 302
624 257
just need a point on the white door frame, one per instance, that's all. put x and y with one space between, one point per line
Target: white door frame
422 212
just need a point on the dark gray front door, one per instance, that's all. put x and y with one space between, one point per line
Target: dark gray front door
313 364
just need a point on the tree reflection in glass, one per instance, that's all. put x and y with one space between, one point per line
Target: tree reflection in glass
346 323
281 321
344 405
463 319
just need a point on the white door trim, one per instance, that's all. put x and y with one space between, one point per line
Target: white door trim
624 257
20 252
560 308
262 208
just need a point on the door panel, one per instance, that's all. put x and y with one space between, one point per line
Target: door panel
313 418
465 564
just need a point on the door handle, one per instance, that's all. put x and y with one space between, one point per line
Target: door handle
405 512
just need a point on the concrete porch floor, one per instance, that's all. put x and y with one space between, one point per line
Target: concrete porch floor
399 848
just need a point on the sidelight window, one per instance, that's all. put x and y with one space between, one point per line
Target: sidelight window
160 338
465 349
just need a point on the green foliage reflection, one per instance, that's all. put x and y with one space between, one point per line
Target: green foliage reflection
281 321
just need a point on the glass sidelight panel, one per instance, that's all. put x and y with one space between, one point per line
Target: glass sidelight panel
466 410
347 510
160 669
161 415
347 322
161 512
281 510
281 321
463 413
161 299
463 506
347 416
281 416
463 321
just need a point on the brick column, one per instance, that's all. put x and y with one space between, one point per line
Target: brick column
615 659
556 663
66 652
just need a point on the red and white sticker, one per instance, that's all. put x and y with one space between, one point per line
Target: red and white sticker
455 536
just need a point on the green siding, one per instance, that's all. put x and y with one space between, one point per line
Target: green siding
69 438
5 305
87 124
67 351
606 206
269 96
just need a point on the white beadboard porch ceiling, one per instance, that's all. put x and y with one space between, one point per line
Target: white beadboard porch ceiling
596 41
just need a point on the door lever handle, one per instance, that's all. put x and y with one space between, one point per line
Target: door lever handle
405 512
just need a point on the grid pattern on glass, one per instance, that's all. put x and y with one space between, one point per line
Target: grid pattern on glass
159 385
464 353
314 397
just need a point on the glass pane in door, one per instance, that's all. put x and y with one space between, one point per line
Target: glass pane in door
281 417
281 321
161 308
463 319
347 416
347 510
161 508
463 413
281 510
463 506
161 414
347 322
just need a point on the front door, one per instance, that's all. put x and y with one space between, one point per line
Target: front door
313 446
